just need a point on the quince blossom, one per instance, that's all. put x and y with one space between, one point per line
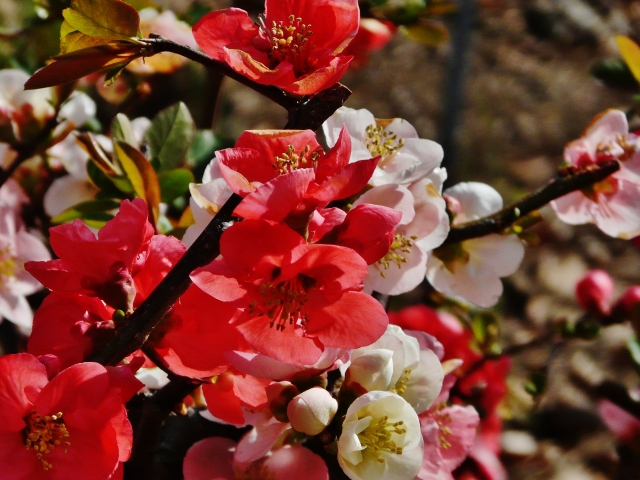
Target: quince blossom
423 227
396 363
312 411
380 438
75 422
296 298
612 203
17 246
472 269
296 46
405 158
215 458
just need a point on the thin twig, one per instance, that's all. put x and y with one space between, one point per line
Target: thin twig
131 336
567 181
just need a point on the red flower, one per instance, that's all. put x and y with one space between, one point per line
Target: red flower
297 298
231 392
285 172
103 266
372 36
51 430
296 46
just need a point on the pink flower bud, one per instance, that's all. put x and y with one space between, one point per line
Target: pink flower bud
595 291
628 305
312 410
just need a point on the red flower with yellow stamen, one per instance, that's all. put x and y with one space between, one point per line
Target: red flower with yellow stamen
295 46
297 298
51 430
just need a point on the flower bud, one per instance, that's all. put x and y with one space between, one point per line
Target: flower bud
628 307
279 394
373 370
312 410
595 291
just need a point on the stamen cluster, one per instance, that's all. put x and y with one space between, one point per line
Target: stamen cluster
44 433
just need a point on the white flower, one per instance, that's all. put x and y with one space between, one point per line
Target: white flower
206 199
312 410
17 246
381 438
472 269
424 226
405 158
396 363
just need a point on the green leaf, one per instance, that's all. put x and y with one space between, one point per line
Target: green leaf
91 209
203 146
121 129
170 135
108 19
107 185
174 183
142 176
614 73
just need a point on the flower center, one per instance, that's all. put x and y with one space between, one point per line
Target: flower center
8 266
289 42
452 256
380 142
44 433
401 385
442 419
377 438
289 161
400 245
284 302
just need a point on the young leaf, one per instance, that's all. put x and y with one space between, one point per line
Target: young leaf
174 183
631 54
75 65
142 176
427 32
170 135
109 19
122 130
93 209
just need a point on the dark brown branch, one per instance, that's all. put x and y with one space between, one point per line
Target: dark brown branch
304 113
131 336
31 149
147 434
567 181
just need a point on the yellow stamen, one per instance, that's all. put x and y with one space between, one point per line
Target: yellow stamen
377 438
289 161
45 433
380 142
400 245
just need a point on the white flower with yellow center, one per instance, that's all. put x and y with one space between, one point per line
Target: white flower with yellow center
380 438
405 158
395 363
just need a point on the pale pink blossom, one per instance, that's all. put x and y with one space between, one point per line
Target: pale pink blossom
449 432
17 246
405 158
612 203
424 226
213 458
472 269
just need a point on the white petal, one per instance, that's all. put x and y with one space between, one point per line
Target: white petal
476 200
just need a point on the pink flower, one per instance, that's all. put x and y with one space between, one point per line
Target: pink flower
372 36
103 266
215 458
296 298
17 246
625 426
296 45
611 203
51 430
449 432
